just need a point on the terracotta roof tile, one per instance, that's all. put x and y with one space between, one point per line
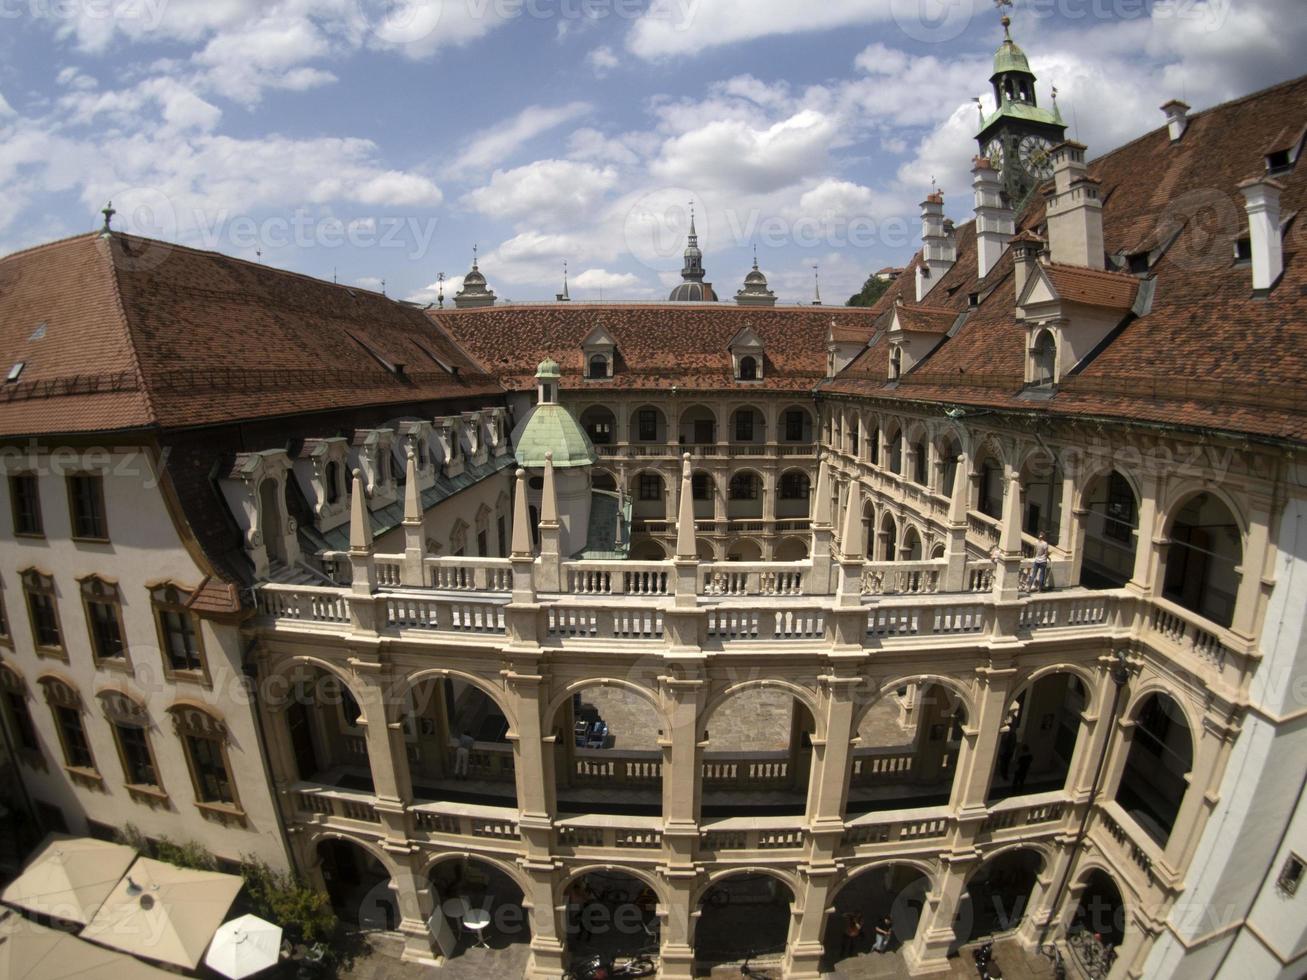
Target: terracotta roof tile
1110 290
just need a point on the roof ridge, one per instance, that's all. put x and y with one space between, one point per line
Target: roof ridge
32 249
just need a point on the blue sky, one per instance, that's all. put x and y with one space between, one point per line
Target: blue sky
380 139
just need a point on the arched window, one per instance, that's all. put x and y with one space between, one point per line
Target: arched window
204 736
895 446
1155 779
1202 562
920 463
991 489
1044 357
896 364
748 368
598 366
332 479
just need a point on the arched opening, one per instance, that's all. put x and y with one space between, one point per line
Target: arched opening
1097 926
796 425
270 521
648 424
912 547
889 539
896 363
792 549
332 479
648 496
703 490
1041 497
597 367
1156 774
358 884
483 906
1111 532
748 426
599 424
998 894
1202 560
744 915
648 550
603 480
744 549
748 368
609 914
907 751
759 753
793 493
704 550
1039 736
456 738
937 552
949 450
894 446
698 426
327 737
1043 359
606 753
744 496
873 444
920 463
896 891
991 488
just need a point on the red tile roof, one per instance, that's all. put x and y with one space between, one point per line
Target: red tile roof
657 345
925 319
1109 290
141 334
1206 354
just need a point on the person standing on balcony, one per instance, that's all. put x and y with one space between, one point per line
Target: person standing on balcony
1040 581
852 939
463 754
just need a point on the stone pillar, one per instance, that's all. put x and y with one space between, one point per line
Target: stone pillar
413 897
677 960
1039 910
822 531
955 545
804 951
928 951
1148 538
980 738
1007 577
682 697
548 949
387 753
1253 591
1212 746
550 566
413 572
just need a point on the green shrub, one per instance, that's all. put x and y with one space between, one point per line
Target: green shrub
281 897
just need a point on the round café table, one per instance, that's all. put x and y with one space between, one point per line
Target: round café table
478 920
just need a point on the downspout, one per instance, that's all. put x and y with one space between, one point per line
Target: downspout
1120 675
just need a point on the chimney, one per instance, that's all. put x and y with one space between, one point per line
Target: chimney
1025 254
994 223
938 249
1074 212
1177 118
1262 201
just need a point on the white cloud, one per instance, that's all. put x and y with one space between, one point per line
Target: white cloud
561 190
590 144
602 60
625 283
5 108
506 138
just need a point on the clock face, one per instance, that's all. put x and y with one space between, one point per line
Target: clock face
1033 151
994 151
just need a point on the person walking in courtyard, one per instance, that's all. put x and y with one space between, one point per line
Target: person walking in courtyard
463 754
1024 759
884 932
851 941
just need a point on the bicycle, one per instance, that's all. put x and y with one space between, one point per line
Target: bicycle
1051 951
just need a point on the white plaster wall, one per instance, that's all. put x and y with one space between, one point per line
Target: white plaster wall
439 521
144 548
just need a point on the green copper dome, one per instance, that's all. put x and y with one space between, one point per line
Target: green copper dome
548 369
1009 57
552 429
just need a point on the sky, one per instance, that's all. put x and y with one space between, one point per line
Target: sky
378 141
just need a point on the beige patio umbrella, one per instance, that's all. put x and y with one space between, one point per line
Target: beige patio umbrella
70 877
29 951
163 912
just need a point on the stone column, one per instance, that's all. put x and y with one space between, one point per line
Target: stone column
682 697
1039 909
548 949
413 897
387 753
1148 539
955 545
1212 746
980 738
1254 572
677 959
413 572
928 951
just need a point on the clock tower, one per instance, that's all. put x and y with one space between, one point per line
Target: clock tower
1018 136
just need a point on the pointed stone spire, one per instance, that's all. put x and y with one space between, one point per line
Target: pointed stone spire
687 548
960 500
821 515
415 538
1009 542
549 497
360 523
816 282
955 543
564 297
522 547
852 540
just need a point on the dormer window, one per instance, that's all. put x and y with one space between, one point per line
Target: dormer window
599 350
333 482
746 355
1279 161
896 364
1043 356
748 369
1243 249
597 367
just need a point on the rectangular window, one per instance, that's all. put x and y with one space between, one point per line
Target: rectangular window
647 424
212 781
26 503
794 426
23 730
106 631
77 751
43 611
86 502
180 647
744 427
701 486
651 486
138 763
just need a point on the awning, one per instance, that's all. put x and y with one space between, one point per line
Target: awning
29 951
163 912
70 877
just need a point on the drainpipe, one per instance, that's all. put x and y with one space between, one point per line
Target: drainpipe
1120 675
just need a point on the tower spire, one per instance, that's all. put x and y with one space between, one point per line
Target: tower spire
108 213
563 297
816 281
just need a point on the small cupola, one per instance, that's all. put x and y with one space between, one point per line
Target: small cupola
475 292
1177 118
547 378
756 291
